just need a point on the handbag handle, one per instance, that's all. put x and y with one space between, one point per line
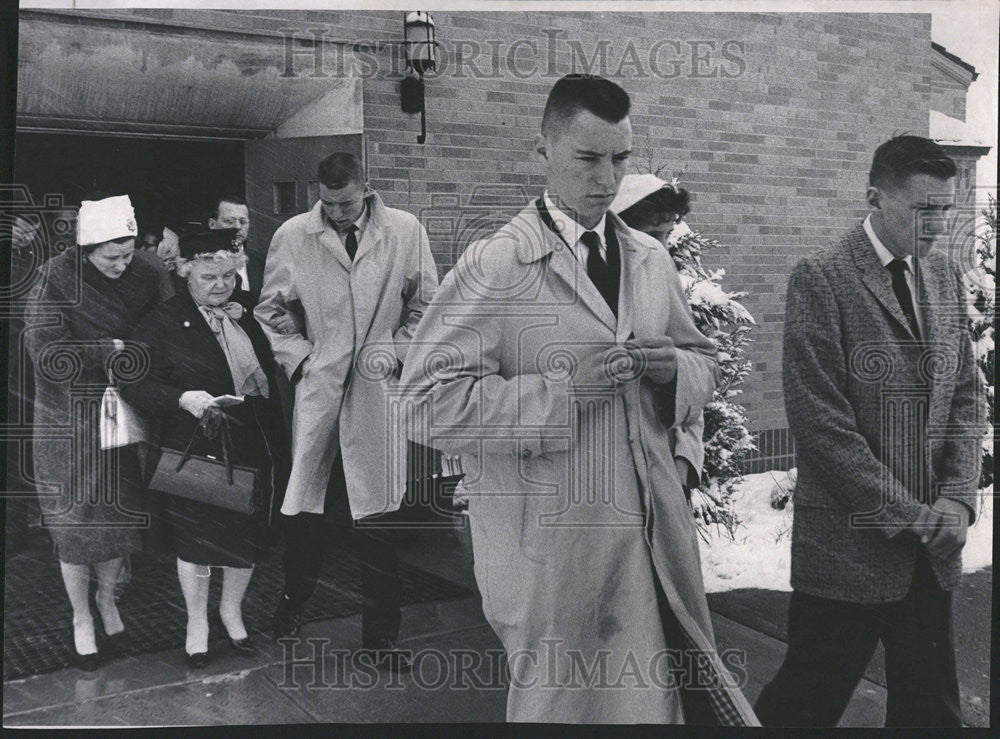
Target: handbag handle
226 441
224 438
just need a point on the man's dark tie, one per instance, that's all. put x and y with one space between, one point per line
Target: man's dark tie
351 242
604 274
897 268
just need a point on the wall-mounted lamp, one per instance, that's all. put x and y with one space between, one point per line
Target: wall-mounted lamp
421 56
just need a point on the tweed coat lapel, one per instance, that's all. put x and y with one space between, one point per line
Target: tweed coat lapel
875 277
936 295
942 313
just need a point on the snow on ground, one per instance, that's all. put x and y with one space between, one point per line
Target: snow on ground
760 555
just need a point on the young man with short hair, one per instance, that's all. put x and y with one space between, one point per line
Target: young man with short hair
556 358
361 274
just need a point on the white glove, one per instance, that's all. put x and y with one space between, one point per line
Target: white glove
196 402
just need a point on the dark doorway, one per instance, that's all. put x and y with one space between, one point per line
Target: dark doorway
169 181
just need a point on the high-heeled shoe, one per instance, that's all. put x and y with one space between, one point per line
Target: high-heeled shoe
244 646
198 660
87 662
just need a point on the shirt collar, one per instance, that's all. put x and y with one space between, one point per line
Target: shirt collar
570 228
884 255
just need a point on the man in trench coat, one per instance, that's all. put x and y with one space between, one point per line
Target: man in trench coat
361 274
556 358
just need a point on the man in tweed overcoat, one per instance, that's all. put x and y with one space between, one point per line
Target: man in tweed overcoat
883 397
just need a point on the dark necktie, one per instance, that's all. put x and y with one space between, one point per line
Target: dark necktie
351 242
897 268
604 274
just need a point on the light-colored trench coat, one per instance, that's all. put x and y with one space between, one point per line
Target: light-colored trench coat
575 507
359 319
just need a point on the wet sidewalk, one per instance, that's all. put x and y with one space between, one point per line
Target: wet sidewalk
458 674
159 689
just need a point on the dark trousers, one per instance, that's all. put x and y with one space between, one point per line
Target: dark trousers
830 643
695 700
305 548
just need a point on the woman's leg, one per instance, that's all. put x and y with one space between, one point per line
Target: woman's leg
76 578
234 585
108 574
194 584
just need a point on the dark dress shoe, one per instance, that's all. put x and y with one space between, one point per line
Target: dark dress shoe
198 660
87 662
244 646
387 656
287 619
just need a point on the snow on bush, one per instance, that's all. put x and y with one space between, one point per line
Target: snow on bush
723 319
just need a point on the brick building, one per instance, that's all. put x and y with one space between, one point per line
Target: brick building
950 80
769 119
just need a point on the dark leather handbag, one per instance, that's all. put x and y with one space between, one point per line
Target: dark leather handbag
206 479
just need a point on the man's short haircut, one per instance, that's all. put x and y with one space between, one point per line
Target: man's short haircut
213 211
652 209
339 170
576 92
903 156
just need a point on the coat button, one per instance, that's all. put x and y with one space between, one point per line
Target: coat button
525 454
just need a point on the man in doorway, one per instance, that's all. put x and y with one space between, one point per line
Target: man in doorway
556 358
149 238
362 275
231 211
883 397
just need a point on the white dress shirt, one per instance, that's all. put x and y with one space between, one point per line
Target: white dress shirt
884 257
242 271
358 224
571 231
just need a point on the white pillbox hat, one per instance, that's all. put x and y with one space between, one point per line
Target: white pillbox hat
105 220
634 188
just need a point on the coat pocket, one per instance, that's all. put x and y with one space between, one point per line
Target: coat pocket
539 495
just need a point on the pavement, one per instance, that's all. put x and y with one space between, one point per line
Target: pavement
458 675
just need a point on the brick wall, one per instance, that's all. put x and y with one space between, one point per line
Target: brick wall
773 137
769 119
776 156
948 94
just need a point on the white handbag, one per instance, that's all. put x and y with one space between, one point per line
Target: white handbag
121 424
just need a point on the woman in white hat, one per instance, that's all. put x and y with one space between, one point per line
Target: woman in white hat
657 208
653 206
83 307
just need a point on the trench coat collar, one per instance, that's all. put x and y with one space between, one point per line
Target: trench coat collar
377 223
535 240
876 277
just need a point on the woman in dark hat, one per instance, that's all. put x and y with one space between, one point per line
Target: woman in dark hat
82 307
203 345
